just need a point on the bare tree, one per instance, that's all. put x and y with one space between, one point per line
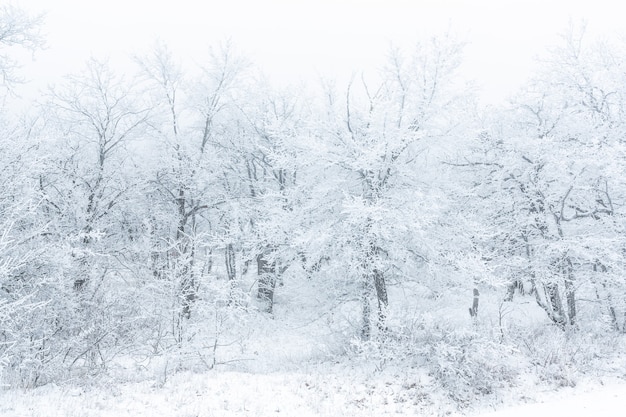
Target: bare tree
190 116
97 113
17 29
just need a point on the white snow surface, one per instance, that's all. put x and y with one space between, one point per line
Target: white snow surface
309 392
604 401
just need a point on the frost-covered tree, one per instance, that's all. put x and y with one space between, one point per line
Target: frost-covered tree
550 185
275 121
97 117
371 200
27 272
186 188
85 185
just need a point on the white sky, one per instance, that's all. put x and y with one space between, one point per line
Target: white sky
301 38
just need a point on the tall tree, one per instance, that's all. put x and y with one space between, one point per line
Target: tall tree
97 116
373 176
191 116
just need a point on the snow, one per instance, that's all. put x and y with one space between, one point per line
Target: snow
215 394
323 390
605 401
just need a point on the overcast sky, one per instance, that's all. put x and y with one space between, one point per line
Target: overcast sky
293 39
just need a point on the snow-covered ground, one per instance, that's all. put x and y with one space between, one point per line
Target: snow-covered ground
293 371
309 392
600 401
223 394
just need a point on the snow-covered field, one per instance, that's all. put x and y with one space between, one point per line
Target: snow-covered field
604 401
310 392
224 394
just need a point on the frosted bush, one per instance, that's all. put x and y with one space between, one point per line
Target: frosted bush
463 363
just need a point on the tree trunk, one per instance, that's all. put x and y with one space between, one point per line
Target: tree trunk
231 267
608 299
474 308
510 292
554 307
383 301
266 270
570 291
84 266
184 262
366 309
231 270
188 286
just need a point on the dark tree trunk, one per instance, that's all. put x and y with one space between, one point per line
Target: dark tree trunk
83 270
366 324
266 270
474 308
246 266
231 271
381 295
185 257
554 298
231 267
